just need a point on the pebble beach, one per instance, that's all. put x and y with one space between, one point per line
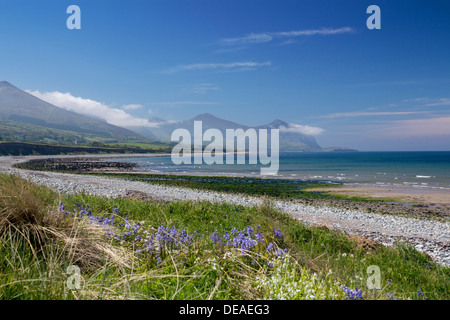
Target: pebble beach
429 236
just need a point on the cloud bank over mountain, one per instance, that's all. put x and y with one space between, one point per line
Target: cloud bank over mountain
297 128
93 108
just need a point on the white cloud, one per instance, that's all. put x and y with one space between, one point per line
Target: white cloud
248 39
416 100
386 83
418 128
182 103
297 128
365 114
264 37
204 88
440 102
132 106
313 32
91 108
233 66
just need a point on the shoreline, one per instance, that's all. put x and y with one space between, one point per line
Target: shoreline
431 237
409 197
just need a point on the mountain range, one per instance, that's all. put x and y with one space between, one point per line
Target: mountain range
289 141
26 118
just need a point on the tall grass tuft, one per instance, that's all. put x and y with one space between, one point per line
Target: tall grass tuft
23 207
26 215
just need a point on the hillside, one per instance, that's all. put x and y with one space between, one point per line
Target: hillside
26 118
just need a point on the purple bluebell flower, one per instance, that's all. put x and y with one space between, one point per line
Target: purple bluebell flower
226 238
278 233
260 237
214 237
247 243
391 296
420 294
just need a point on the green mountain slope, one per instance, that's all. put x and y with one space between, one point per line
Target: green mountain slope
29 115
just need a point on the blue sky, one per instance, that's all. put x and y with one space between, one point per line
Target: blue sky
311 63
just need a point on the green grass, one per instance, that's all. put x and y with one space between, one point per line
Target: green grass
25 148
157 146
25 132
318 262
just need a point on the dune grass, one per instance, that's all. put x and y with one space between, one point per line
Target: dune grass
135 249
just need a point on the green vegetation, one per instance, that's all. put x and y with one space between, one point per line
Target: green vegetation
154 146
273 188
276 188
22 149
15 131
21 138
134 249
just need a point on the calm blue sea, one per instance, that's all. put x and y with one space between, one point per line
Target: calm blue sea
426 170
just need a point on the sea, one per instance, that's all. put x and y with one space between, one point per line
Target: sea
415 170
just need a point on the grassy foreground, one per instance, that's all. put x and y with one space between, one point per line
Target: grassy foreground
85 247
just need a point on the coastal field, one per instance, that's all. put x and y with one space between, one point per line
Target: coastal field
142 249
149 240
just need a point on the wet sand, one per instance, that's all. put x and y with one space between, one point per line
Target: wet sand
398 194
410 201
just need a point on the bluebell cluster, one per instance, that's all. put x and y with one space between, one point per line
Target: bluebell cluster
278 233
79 211
247 239
277 251
420 294
391 296
170 238
353 294
132 232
